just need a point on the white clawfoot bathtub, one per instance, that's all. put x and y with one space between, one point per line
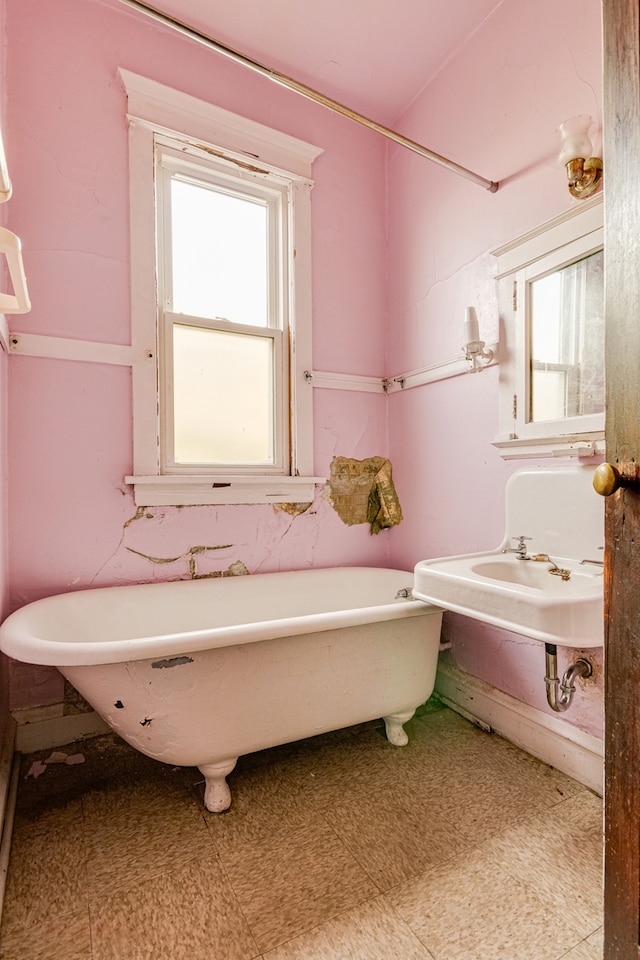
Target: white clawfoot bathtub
199 672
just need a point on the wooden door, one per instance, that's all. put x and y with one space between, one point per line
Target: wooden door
621 124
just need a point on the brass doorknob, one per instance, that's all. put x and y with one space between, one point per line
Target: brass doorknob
607 479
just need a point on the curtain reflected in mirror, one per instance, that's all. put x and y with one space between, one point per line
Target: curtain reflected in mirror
566 336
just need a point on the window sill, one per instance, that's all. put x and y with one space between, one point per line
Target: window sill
583 445
183 491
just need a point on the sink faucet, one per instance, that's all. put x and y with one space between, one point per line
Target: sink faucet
521 550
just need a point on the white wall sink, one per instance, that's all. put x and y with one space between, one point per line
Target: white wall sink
519 595
563 517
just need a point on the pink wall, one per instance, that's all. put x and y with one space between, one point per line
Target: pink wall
494 108
4 512
70 430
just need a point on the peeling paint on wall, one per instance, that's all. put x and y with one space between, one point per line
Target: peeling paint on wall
293 509
236 569
362 491
138 515
191 552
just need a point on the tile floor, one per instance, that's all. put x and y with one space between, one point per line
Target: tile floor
456 847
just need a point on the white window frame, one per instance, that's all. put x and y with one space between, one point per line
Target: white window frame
576 233
159 114
275 192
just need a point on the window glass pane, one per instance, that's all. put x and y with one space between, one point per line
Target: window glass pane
219 254
549 395
567 341
223 397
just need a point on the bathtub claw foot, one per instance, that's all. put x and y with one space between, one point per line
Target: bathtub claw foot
217 796
393 726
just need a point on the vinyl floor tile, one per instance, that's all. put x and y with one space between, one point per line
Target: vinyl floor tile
47 878
559 855
265 800
484 799
67 816
444 730
50 938
117 859
395 834
589 949
470 909
451 748
596 942
133 833
520 765
371 931
438 754
189 914
293 882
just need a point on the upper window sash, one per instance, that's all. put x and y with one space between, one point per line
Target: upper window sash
224 176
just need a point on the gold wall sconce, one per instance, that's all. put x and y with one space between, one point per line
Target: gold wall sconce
584 172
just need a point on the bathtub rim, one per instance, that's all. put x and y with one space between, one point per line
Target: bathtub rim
17 643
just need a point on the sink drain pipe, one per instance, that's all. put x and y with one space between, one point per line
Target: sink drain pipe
560 692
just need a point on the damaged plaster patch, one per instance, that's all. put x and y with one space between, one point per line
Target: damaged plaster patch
36 769
293 509
138 515
191 552
141 513
60 757
236 569
362 491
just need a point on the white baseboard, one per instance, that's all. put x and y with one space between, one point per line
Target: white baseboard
556 742
45 728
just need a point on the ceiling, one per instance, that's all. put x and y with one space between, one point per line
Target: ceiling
371 55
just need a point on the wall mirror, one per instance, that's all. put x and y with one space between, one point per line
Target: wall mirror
551 293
